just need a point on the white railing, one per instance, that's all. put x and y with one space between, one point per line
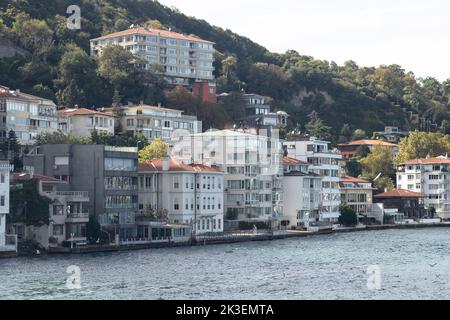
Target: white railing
74 194
121 149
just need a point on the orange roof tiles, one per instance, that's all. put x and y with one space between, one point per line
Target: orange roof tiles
292 161
23 176
81 112
429 161
152 32
399 193
353 180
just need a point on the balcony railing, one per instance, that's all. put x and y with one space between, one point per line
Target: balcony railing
78 215
73 194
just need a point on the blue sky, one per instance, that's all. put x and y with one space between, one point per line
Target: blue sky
414 34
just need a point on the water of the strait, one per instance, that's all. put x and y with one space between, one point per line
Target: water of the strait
414 264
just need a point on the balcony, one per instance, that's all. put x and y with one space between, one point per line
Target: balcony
78 217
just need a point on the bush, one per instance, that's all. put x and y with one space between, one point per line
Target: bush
348 216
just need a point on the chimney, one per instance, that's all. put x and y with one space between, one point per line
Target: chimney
165 164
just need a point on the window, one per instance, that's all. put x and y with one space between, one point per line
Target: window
2 178
176 183
58 210
410 177
176 204
166 124
62 161
2 201
58 229
434 177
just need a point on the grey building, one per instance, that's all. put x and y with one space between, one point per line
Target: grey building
109 174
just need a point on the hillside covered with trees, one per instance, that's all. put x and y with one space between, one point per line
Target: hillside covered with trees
321 96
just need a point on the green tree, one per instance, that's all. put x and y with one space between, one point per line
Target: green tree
348 217
359 134
116 65
379 161
421 145
317 128
362 151
28 206
77 80
93 229
156 150
383 184
353 167
33 35
346 132
60 137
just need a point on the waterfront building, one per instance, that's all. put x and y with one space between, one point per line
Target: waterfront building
252 164
357 193
431 177
154 122
409 203
325 163
68 212
391 134
5 241
185 60
108 174
26 115
82 121
302 192
192 194
350 149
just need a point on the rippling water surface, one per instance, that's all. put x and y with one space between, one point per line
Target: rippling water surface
415 264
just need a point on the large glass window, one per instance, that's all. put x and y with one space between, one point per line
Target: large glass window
115 164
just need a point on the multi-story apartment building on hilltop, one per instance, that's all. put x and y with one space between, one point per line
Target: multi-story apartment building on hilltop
82 121
430 177
325 163
186 60
26 114
154 122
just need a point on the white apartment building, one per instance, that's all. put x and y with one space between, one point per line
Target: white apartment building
252 166
325 163
184 58
302 191
26 114
154 122
5 168
430 177
192 194
82 121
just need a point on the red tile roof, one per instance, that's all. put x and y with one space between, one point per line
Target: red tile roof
439 160
177 166
292 161
368 142
399 193
152 32
81 112
24 176
353 180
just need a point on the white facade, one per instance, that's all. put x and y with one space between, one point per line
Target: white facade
5 168
81 121
156 122
251 164
302 191
192 194
430 177
182 57
324 163
27 115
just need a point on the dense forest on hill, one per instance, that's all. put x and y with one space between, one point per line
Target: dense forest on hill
55 63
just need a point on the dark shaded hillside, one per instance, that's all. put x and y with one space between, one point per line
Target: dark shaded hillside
363 98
